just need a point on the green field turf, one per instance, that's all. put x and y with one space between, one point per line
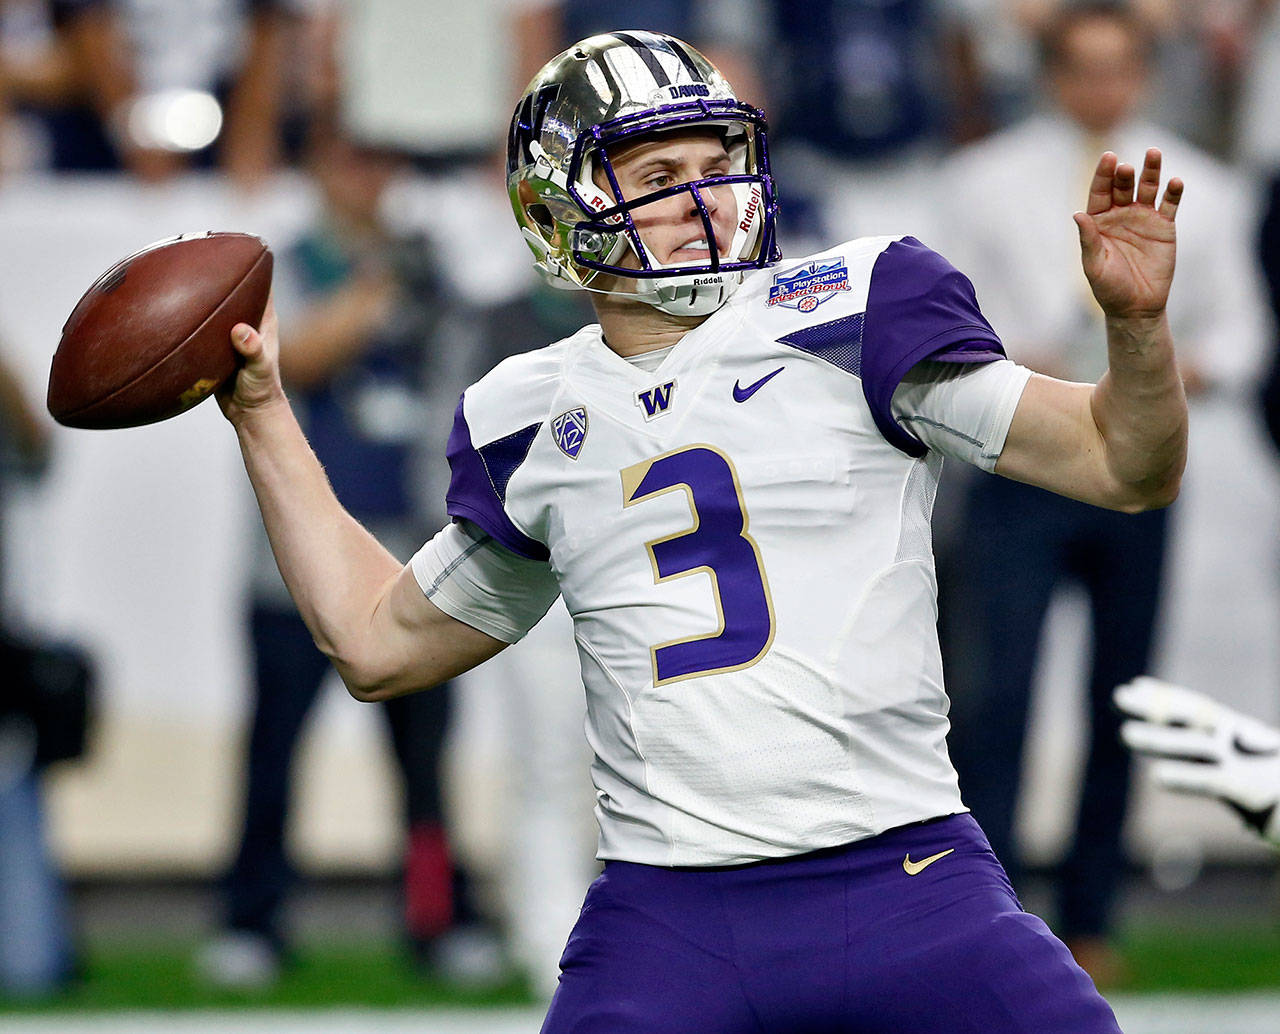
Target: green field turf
1197 957
160 976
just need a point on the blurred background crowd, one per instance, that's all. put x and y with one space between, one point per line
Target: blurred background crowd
167 717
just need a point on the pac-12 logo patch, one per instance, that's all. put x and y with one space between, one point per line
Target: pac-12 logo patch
807 287
570 430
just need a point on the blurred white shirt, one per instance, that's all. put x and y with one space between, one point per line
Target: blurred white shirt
1006 222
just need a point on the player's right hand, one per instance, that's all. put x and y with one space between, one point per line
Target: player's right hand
257 383
1204 747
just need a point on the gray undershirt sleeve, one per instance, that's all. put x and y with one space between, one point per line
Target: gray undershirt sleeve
962 410
472 578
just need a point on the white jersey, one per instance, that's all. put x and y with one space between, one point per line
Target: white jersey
742 537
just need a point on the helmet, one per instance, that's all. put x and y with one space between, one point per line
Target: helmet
604 91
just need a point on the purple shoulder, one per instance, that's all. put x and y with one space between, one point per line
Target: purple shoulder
478 479
919 306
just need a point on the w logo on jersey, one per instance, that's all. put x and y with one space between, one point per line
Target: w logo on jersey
569 431
655 401
809 286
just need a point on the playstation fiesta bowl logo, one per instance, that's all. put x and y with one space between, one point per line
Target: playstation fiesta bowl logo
807 287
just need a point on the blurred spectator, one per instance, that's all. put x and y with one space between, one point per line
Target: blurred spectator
1000 37
239 54
727 31
539 683
1197 49
452 115
1258 148
43 718
867 96
546 857
1014 235
154 86
362 302
65 66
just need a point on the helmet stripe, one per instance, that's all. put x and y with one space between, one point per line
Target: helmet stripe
647 56
616 94
674 45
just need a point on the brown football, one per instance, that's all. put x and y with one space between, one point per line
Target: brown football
152 336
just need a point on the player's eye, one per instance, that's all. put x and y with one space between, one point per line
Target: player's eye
659 181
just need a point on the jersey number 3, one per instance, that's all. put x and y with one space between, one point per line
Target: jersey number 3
718 545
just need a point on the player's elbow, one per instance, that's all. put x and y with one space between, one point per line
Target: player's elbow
370 692
1153 494
369 670
372 683
363 683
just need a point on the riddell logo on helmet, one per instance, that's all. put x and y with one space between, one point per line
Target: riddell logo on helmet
689 90
749 213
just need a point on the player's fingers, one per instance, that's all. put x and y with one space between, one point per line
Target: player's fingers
1149 181
1169 742
1100 188
1089 242
1172 197
246 341
1122 187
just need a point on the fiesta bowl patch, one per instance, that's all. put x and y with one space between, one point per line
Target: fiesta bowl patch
807 287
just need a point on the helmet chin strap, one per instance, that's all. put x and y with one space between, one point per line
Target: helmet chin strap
701 294
678 296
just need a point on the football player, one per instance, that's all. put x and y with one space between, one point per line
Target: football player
1206 748
729 480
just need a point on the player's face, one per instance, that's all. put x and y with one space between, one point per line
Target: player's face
672 228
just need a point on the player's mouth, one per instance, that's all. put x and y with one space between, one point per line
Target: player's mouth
694 249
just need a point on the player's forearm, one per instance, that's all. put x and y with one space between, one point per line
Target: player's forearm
334 569
1140 409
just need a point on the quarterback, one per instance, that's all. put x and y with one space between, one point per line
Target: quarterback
729 479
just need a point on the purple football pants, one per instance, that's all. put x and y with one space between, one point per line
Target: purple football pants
836 942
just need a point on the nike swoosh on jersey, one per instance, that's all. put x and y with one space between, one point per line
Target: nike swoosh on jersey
741 394
915 868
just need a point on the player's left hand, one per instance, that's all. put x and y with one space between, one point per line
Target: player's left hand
1127 243
1204 747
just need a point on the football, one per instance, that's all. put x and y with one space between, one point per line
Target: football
152 335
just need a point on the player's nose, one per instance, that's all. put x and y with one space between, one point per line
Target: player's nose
708 198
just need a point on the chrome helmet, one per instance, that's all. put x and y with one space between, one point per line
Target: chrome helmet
602 92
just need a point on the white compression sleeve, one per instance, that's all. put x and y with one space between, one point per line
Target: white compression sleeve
471 577
961 410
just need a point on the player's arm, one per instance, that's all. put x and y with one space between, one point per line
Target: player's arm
1120 443
363 608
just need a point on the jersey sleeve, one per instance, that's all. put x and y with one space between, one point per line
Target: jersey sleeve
919 306
478 479
474 579
961 410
